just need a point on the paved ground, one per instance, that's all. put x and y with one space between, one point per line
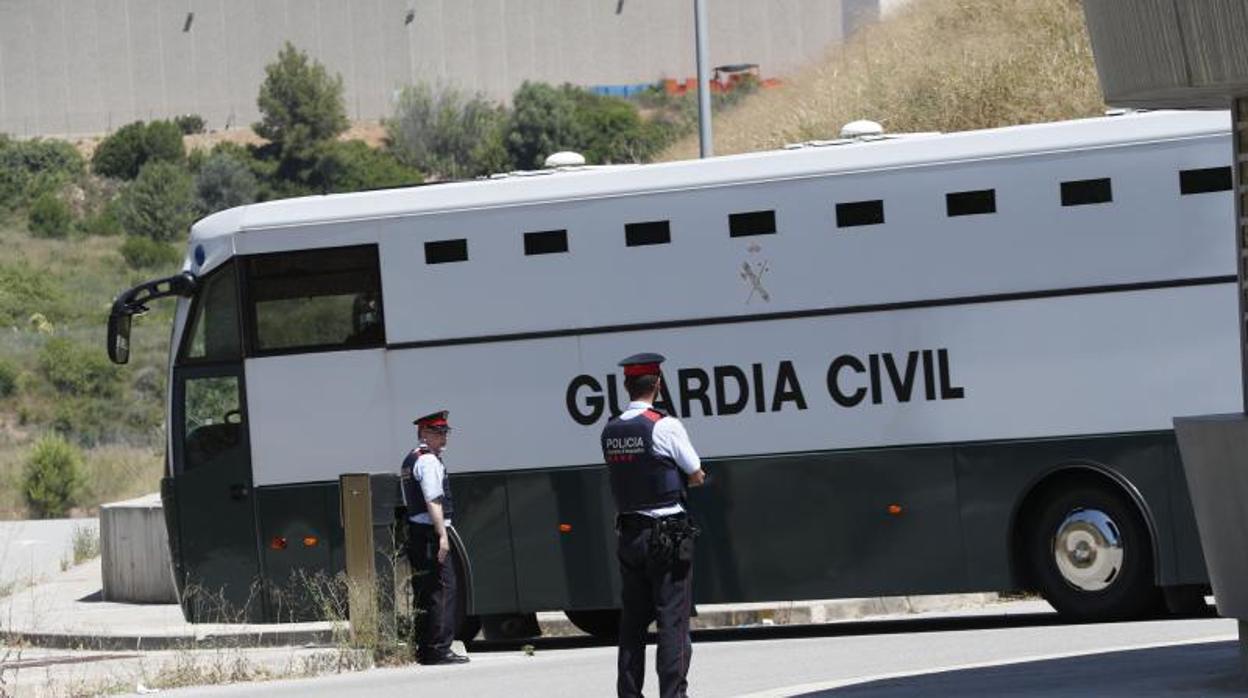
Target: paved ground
1018 652
34 550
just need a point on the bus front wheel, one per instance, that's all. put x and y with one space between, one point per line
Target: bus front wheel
1092 555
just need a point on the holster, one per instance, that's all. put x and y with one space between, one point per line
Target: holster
671 540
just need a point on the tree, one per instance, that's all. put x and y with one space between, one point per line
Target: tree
448 134
353 166
223 182
543 121
52 480
159 203
124 153
300 104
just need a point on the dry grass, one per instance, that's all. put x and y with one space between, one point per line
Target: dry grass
936 65
113 473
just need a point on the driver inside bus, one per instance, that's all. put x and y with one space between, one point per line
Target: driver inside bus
427 496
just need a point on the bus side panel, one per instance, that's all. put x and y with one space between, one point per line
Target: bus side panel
562 523
819 525
482 522
993 479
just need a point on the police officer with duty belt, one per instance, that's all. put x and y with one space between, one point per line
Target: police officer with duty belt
427 496
651 463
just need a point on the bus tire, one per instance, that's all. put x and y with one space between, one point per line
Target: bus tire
603 624
1091 553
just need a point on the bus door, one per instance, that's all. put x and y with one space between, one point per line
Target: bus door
212 476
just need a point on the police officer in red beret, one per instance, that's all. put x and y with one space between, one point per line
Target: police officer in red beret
427 495
651 463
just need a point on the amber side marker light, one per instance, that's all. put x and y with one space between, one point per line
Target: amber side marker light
565 528
278 543
894 509
310 541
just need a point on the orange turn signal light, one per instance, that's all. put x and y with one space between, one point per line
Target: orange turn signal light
894 509
565 528
310 541
278 543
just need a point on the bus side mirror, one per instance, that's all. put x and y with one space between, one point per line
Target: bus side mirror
119 337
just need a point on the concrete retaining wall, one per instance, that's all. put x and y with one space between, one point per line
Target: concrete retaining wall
134 552
78 67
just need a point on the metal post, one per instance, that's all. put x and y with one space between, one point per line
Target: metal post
1239 132
356 502
706 145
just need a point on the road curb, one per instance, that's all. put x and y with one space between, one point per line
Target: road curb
551 624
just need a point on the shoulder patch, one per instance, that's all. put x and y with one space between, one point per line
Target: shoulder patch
653 414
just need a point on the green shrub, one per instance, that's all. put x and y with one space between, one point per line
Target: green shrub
49 217
223 182
145 253
611 130
301 106
353 166
104 223
52 479
8 378
28 168
74 369
190 124
543 121
445 133
25 291
159 204
123 154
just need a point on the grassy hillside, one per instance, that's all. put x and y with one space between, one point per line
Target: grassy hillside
937 65
56 293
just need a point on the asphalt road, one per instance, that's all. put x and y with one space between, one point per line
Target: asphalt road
1019 655
32 550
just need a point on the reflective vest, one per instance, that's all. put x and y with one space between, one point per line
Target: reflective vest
640 479
413 496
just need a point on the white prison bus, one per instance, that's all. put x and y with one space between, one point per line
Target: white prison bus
915 364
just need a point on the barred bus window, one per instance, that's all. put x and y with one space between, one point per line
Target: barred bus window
316 300
1204 181
1083 192
650 233
445 251
752 223
546 242
970 203
856 213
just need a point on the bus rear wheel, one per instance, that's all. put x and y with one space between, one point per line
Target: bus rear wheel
603 624
1091 553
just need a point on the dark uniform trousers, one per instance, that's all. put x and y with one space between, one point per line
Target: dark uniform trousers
653 590
433 587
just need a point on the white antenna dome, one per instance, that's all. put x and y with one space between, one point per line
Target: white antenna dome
565 158
861 129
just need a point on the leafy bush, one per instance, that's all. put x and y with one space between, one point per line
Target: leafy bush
611 130
104 223
223 182
74 369
123 154
353 166
8 378
543 121
28 168
301 106
49 217
159 204
448 134
190 124
145 253
24 291
52 479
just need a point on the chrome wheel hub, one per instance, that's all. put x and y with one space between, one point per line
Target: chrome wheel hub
1088 550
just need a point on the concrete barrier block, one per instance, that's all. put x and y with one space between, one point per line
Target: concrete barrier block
134 552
